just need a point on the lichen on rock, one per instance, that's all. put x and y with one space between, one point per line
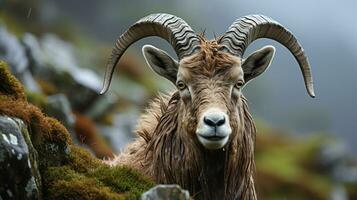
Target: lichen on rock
21 179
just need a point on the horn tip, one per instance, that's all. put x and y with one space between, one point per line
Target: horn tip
103 91
312 93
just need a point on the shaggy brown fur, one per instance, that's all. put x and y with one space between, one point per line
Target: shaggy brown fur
168 150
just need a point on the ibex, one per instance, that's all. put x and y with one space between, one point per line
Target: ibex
202 136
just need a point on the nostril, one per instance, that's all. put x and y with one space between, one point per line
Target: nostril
221 121
209 122
214 120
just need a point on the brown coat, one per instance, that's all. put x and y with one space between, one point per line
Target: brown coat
163 153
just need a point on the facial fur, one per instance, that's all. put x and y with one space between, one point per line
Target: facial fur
210 89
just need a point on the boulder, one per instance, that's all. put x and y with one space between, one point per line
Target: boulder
120 132
166 192
35 55
59 107
19 174
13 53
63 71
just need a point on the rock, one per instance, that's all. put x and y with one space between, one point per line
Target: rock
14 54
121 132
102 106
59 107
334 160
128 90
61 55
80 97
166 192
53 60
34 52
332 155
62 70
339 193
18 166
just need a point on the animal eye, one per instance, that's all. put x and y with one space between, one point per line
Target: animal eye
239 84
181 85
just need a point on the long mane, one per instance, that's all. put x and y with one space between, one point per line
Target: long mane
172 157
240 167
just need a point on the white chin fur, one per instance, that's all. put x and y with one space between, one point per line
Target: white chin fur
210 144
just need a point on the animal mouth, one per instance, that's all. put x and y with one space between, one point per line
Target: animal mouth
212 141
213 138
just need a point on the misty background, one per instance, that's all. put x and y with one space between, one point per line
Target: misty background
58 49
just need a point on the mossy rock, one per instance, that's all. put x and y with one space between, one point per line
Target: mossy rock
94 179
19 175
65 183
67 171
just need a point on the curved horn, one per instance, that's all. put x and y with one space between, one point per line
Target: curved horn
169 27
246 29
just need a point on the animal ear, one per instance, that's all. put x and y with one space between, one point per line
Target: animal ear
257 62
161 62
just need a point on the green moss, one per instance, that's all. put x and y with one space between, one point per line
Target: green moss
36 99
87 177
81 160
65 183
57 132
123 180
10 86
43 128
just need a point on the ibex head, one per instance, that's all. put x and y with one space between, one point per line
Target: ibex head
210 75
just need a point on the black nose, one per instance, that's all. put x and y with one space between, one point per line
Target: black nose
214 120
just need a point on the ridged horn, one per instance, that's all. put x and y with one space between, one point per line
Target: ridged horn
169 27
246 29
